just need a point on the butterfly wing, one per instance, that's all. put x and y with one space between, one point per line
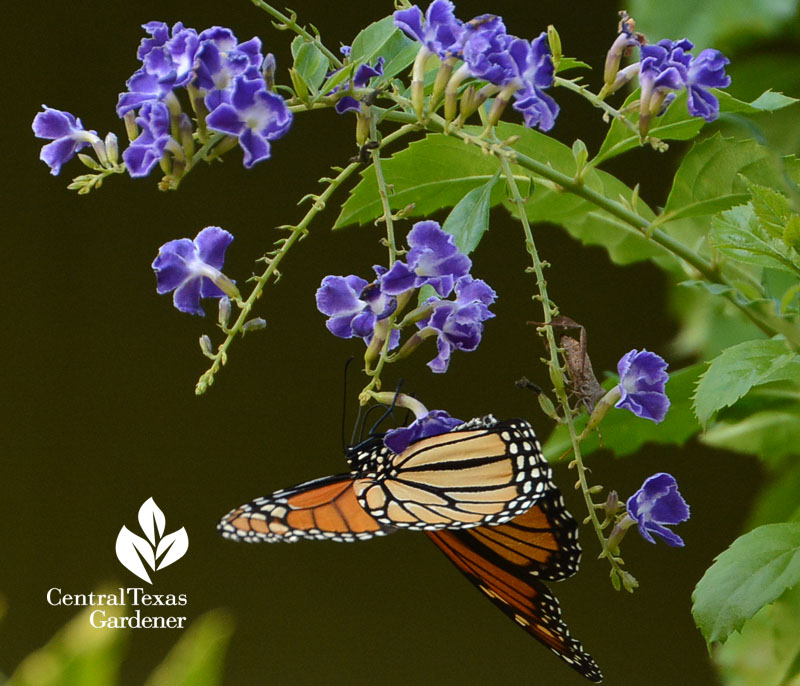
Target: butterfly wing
504 562
323 509
481 472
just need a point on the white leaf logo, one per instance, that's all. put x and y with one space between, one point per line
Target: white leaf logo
133 551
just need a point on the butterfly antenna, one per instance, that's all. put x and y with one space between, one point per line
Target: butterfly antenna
344 403
389 410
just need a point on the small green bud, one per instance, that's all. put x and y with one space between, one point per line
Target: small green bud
224 312
112 148
254 325
205 345
554 40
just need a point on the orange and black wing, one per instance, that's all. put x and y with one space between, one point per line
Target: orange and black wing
323 509
504 562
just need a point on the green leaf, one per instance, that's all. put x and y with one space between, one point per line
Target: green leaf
311 64
624 433
675 124
715 172
738 234
777 501
571 63
754 571
772 637
581 218
735 371
771 207
771 434
469 219
77 654
768 101
712 22
383 39
432 173
197 658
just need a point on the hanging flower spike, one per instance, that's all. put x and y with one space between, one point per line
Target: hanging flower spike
192 269
656 503
642 376
220 59
534 65
433 259
440 34
254 115
67 133
432 424
354 307
167 63
458 324
148 147
706 71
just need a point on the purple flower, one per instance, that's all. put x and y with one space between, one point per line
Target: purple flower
67 134
354 306
656 503
432 424
642 376
486 46
253 114
192 269
362 77
441 33
534 71
433 259
664 68
220 59
458 324
167 63
706 71
148 147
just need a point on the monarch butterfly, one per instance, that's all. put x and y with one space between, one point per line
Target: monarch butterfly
482 492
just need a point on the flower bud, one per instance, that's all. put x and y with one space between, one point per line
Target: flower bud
112 148
224 312
554 41
254 325
268 70
131 129
205 345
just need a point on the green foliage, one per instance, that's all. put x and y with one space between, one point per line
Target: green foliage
383 39
738 369
197 658
469 219
754 571
623 433
84 655
310 63
767 650
712 23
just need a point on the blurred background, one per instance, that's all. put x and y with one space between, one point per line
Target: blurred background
99 375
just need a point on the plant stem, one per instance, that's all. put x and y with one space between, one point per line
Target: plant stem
556 371
291 24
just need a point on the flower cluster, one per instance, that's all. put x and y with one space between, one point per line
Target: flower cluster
664 70
510 66
657 503
227 84
356 308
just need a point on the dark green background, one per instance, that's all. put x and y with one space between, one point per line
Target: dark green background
100 412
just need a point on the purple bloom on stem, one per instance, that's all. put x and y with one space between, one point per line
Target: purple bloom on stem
192 269
656 503
254 115
67 134
486 50
220 59
534 71
706 71
664 68
362 77
148 147
354 306
167 63
433 259
432 424
459 324
441 33
642 376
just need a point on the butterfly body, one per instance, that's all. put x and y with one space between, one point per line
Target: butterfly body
484 495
